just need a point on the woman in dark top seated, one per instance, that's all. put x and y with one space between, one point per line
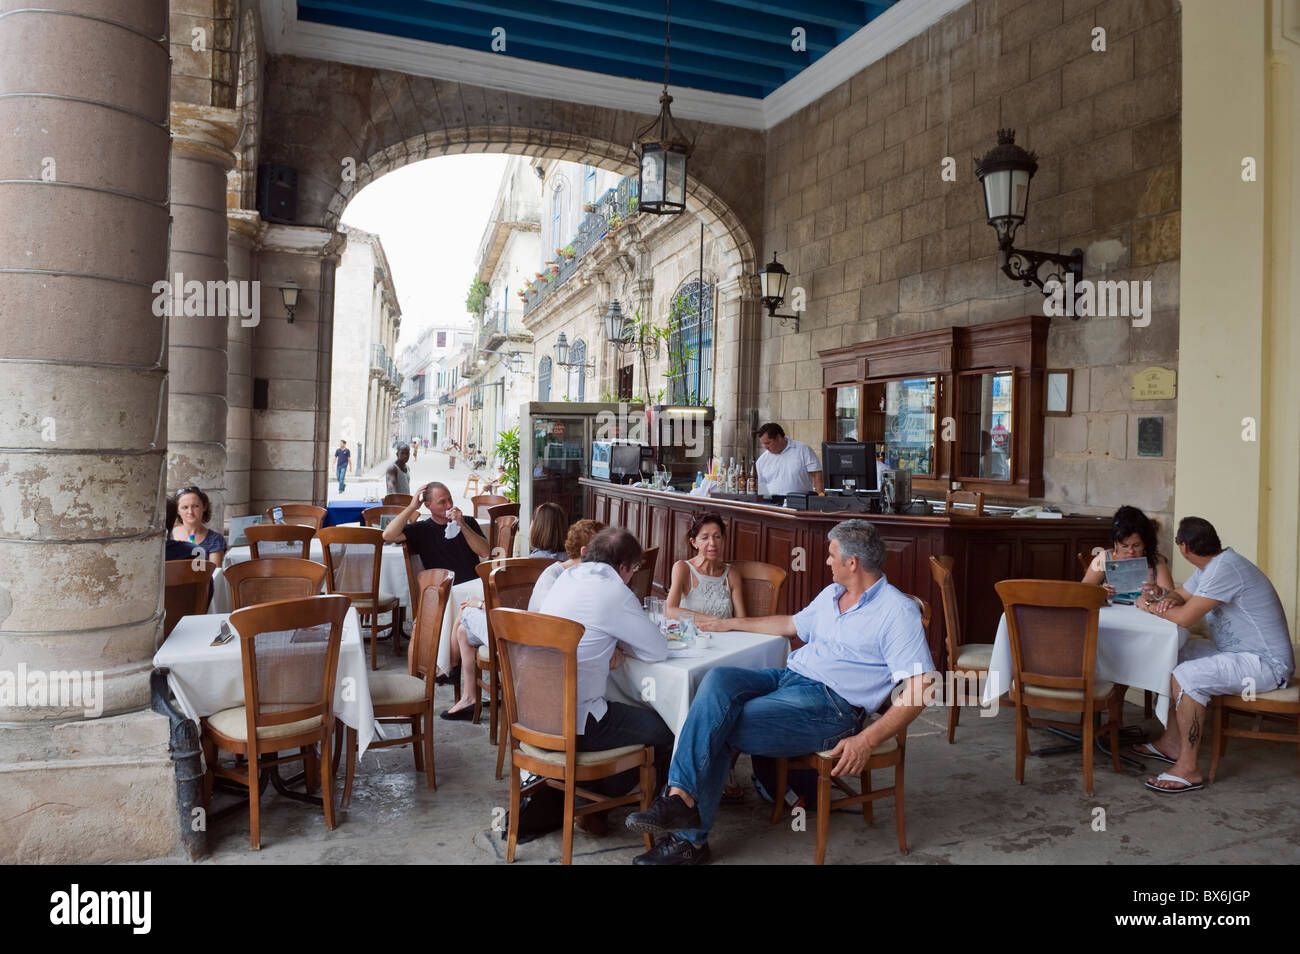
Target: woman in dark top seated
195 510
174 549
1132 535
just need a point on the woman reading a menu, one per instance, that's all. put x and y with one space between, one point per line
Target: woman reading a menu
1132 535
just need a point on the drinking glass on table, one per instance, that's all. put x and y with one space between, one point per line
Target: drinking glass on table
689 629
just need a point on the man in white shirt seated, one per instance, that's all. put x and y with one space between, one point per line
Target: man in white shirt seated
787 466
863 641
595 594
1250 647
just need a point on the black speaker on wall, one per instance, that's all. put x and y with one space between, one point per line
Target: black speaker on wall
261 394
277 194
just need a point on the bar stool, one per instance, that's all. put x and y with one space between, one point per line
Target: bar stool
471 482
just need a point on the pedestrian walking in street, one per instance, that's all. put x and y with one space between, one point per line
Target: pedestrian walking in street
415 448
342 464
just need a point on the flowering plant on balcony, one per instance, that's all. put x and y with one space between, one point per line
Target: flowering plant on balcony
555 270
568 252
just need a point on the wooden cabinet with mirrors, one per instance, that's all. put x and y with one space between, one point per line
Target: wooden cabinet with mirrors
955 404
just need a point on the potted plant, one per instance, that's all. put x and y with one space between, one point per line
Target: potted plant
633 203
615 222
555 270
569 252
589 206
507 451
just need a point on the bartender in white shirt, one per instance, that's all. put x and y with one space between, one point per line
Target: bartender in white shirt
787 466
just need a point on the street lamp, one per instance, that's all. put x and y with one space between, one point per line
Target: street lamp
289 296
662 150
774 279
1005 172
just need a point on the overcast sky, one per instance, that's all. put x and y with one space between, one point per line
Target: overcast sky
430 217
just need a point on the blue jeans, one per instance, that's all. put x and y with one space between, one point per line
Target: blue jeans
772 712
342 472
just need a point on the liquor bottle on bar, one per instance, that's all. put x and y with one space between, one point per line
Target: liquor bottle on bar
751 482
731 476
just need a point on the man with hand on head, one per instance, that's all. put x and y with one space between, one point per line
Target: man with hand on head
449 540
859 632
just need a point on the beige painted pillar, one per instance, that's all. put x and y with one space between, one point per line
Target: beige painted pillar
289 439
1239 325
83 428
244 229
202 139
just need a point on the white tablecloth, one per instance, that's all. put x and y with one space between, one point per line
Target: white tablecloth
669 686
392 574
461 591
1133 648
207 679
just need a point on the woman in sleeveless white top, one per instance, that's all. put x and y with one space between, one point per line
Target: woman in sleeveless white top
704 584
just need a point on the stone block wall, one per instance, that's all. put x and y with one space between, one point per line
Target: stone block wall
884 246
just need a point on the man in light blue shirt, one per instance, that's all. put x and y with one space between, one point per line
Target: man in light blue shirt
862 636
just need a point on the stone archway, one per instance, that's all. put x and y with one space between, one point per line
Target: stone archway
341 127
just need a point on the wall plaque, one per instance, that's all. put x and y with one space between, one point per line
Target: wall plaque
1151 437
1155 384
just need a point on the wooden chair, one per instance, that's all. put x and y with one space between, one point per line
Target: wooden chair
1281 705
303 514
1148 697
760 584
1053 630
267 580
963 497
508 584
290 650
274 540
408 697
471 484
353 556
481 502
642 578
539 664
370 516
502 519
186 591
964 659
889 754
398 500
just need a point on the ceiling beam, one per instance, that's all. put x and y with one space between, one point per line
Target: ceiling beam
846 15
541 42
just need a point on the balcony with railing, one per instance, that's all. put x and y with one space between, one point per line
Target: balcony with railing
612 212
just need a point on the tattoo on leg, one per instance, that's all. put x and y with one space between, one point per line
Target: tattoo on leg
1194 733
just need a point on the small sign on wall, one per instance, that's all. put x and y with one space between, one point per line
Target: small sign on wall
1151 437
1155 384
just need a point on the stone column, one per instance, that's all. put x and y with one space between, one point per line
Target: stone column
202 140
289 445
83 427
735 365
244 229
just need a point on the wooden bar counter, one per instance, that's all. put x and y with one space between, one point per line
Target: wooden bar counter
984 549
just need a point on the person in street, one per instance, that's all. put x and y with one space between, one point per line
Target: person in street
415 448
397 479
342 464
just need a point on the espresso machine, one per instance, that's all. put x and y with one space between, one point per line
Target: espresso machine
896 487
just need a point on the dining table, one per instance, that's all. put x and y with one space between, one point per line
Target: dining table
392 573
205 679
1134 648
669 686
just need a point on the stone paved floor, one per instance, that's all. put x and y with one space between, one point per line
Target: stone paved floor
963 804
963 807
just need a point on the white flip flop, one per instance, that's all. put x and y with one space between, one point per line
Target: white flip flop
1166 777
1148 751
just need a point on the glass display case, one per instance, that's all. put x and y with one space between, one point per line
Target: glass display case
847 416
986 425
902 422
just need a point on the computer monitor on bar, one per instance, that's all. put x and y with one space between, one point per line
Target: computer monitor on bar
849 466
